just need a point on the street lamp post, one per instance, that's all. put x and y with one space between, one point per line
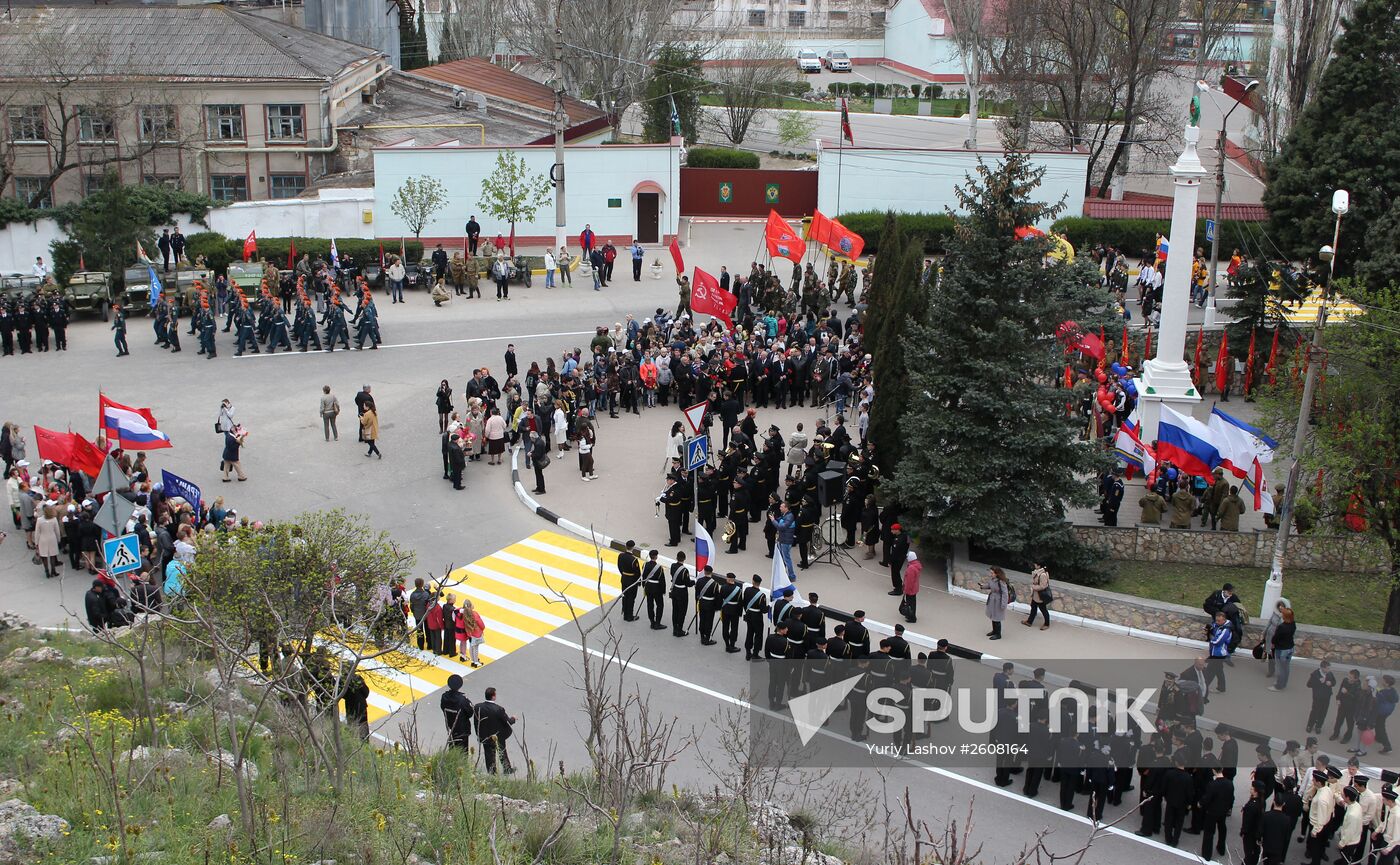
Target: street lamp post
1219 196
1273 587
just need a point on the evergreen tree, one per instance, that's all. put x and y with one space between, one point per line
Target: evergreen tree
1338 142
413 37
675 74
887 258
908 304
1257 290
988 453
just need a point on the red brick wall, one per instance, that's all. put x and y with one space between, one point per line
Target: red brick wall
700 192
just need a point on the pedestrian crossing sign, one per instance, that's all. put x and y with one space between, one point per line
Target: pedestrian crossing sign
122 554
697 452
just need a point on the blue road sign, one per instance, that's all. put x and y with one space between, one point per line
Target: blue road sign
122 554
697 452
1210 231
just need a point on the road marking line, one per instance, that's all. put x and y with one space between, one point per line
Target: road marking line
945 773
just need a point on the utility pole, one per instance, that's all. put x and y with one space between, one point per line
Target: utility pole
561 122
1273 588
1219 198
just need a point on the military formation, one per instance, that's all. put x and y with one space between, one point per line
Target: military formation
261 322
35 322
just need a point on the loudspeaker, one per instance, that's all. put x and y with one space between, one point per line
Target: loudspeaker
836 466
829 488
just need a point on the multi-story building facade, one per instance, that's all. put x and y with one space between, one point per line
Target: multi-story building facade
205 97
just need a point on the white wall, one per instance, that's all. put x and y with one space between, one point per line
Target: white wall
20 243
922 181
337 213
908 40
594 175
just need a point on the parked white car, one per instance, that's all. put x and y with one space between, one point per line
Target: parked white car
837 61
808 61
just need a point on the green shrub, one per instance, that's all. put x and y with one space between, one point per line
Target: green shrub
914 90
219 251
858 89
1138 237
718 157
931 228
833 89
933 91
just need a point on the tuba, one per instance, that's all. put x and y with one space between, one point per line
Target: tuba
729 531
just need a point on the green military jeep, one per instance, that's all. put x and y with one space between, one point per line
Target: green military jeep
137 294
90 290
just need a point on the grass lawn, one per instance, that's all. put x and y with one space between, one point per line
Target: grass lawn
1335 600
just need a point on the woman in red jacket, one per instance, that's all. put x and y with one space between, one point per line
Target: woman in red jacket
471 632
433 623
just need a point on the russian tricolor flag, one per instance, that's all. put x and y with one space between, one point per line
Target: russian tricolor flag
128 427
1187 443
704 548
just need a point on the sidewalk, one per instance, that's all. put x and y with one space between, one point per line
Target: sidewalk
629 456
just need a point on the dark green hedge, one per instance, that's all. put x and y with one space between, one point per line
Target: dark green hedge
720 157
218 250
931 228
1136 237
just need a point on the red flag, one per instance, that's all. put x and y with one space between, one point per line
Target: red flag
1249 365
292 254
81 265
1270 368
1069 377
512 239
69 449
1147 345
1222 362
1196 364
835 236
846 123
675 248
250 245
707 297
1127 355
782 243
1103 349
1355 518
381 253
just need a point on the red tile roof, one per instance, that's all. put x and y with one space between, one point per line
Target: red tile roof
1103 209
485 77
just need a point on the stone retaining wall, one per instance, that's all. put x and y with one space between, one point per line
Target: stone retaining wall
1351 553
1342 647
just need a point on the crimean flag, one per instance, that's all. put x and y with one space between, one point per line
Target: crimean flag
846 123
1272 367
782 242
707 297
1222 362
675 249
250 245
1249 364
835 236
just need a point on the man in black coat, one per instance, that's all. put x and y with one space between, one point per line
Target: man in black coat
1251 823
539 457
493 728
95 605
457 714
1217 801
1275 830
681 582
631 570
1177 792
707 603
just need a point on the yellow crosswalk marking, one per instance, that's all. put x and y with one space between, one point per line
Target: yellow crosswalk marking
1306 312
516 590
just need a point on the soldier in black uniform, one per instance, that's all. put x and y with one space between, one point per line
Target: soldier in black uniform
40 317
739 514
7 330
119 326
58 321
1113 497
160 322
815 620
777 648
731 603
857 699
836 646
172 329
770 524
673 500
631 571
707 603
23 320
709 489
755 607
654 585
681 582
852 504
457 714
857 637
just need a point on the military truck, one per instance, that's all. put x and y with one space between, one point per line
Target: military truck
90 290
16 285
137 295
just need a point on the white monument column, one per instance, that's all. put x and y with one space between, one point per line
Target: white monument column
1166 378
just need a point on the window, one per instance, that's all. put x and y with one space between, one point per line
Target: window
95 126
27 123
157 122
225 122
837 15
797 19
878 18
285 185
92 183
28 187
757 17
228 187
167 180
284 123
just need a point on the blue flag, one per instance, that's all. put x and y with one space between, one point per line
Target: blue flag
155 286
174 485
